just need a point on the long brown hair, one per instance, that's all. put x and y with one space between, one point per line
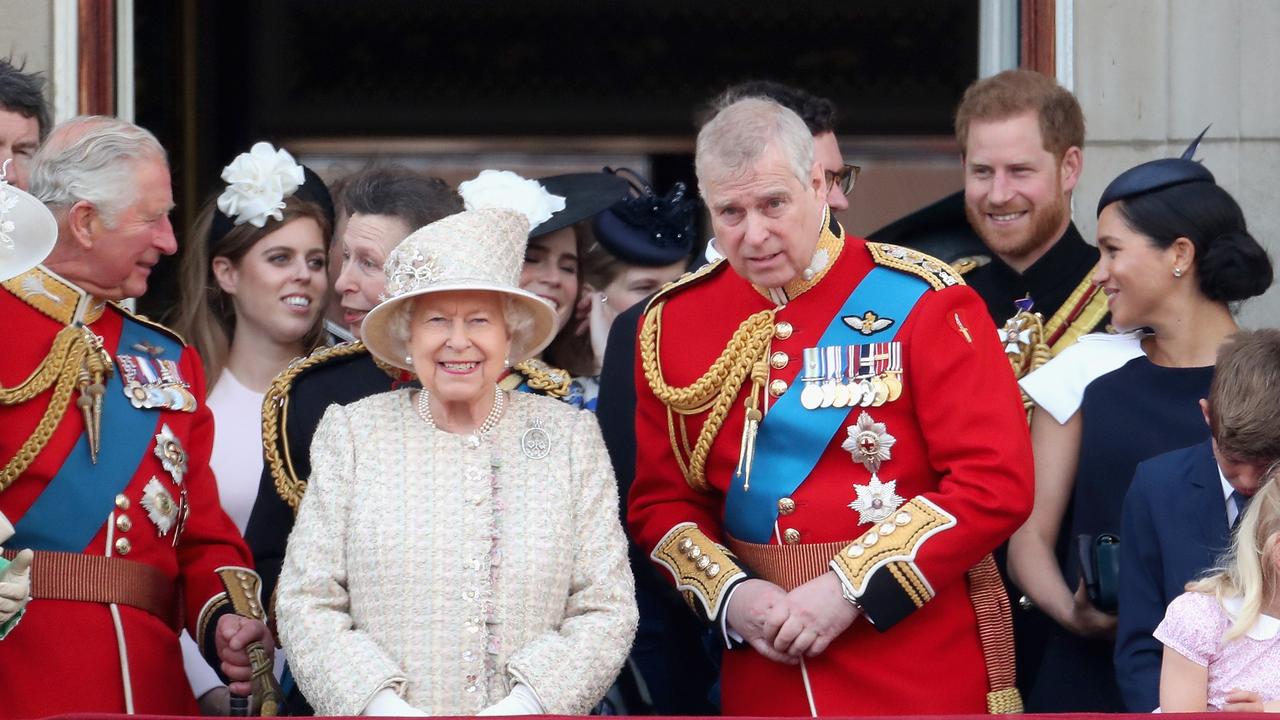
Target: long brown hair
205 315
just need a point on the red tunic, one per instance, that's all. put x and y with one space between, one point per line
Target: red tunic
961 443
68 656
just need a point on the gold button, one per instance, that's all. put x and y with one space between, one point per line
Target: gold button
777 387
703 562
779 360
122 502
712 570
782 330
786 506
791 536
123 523
123 546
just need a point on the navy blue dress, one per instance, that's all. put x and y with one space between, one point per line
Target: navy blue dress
1129 415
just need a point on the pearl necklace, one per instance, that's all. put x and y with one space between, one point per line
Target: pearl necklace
495 414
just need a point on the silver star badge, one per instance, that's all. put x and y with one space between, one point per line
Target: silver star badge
161 508
876 500
868 442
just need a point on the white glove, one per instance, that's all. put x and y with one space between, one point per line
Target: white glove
521 701
15 586
386 703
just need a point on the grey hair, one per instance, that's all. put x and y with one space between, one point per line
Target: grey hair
732 141
519 321
92 158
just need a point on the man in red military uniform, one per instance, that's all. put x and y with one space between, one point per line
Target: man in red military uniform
830 445
105 448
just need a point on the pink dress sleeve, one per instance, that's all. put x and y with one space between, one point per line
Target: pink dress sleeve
1193 626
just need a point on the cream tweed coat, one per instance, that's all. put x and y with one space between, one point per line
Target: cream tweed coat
411 567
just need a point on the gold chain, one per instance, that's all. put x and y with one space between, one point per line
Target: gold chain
716 389
60 369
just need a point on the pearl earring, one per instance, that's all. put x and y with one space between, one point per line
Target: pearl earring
1177 272
408 359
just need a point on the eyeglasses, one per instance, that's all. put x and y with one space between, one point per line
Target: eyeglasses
847 177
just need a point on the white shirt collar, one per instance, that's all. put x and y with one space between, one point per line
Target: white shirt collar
1232 512
1265 628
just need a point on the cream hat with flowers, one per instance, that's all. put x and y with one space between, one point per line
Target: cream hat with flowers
27 229
472 250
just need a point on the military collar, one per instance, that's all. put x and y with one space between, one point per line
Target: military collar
825 253
55 296
1061 262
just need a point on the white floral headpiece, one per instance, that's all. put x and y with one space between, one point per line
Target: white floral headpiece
257 184
504 189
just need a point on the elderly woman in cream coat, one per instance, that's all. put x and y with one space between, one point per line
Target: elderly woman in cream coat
458 550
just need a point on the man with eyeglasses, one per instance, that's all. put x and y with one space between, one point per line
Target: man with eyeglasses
669 651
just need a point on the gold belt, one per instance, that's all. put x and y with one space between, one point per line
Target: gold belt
91 578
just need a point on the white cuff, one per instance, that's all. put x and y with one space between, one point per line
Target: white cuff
521 701
386 703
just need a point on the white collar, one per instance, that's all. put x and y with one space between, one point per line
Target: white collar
1232 512
1265 628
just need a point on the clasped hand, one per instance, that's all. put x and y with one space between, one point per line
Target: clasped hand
232 640
783 626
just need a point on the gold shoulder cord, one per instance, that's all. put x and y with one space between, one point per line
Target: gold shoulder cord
275 414
76 359
744 355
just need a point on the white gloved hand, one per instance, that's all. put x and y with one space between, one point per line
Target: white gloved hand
15 586
521 701
386 703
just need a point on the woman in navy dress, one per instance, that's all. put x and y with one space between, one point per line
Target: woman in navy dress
1175 254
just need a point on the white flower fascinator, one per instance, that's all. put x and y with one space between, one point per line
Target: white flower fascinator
257 184
504 189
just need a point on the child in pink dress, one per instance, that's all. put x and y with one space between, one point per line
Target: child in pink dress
1222 637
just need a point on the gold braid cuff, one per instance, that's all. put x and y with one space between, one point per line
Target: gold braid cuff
275 418
244 590
75 359
704 571
891 546
714 391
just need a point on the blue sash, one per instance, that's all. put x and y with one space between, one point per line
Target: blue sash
76 502
791 439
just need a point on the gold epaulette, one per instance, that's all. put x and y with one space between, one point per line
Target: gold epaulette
541 377
935 272
685 280
144 320
275 415
969 263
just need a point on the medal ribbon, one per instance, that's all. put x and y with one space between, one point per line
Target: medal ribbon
77 500
791 439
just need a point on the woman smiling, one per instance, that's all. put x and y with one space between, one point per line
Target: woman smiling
437 564
252 300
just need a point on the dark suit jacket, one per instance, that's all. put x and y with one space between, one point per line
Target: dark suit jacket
1174 528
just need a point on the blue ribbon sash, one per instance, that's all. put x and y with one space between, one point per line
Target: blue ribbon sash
76 502
792 439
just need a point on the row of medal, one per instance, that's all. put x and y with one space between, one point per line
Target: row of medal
844 376
154 383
